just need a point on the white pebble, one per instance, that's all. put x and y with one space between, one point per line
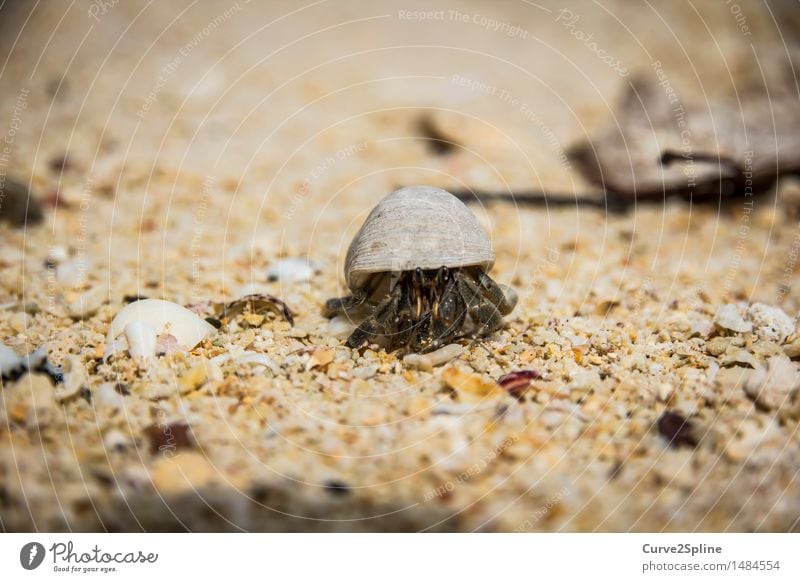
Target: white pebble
340 327
75 379
440 356
366 373
739 356
106 395
776 386
770 323
10 361
729 317
257 359
291 271
57 255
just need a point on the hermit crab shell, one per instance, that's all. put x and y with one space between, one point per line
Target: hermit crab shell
417 227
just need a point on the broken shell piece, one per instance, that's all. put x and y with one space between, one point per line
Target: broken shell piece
770 323
75 379
291 271
729 317
12 366
141 339
440 356
256 304
256 359
167 344
188 328
11 363
736 356
88 303
701 327
320 358
340 327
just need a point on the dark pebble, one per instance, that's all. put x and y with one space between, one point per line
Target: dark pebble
676 429
133 298
17 205
337 488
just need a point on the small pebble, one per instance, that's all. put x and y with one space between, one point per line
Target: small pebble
20 322
12 365
676 429
432 359
775 387
20 207
770 323
729 317
76 379
291 271
340 327
736 356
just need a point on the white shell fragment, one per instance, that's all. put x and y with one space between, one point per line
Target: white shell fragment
250 358
291 271
162 316
417 227
75 379
141 339
340 327
10 362
729 317
770 323
440 356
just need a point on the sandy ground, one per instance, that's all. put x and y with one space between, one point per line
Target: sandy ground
204 143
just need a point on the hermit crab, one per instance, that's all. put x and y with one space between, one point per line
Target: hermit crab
417 274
